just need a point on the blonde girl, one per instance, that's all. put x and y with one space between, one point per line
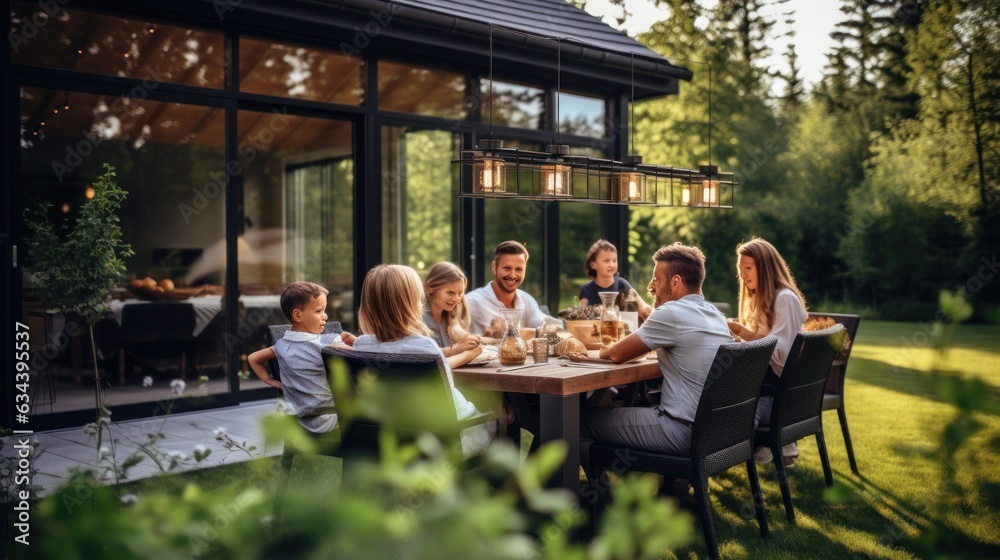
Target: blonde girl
446 313
390 317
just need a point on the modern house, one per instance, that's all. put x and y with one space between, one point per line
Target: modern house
262 142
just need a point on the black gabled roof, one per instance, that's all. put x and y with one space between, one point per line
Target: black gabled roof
595 58
586 38
550 18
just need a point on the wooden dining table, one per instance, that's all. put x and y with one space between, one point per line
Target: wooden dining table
559 383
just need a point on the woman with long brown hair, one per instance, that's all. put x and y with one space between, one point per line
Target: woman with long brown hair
770 303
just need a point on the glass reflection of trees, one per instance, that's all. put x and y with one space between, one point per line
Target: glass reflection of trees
513 105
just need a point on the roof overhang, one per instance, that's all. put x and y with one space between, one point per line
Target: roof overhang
457 40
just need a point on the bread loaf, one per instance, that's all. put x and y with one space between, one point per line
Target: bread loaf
570 346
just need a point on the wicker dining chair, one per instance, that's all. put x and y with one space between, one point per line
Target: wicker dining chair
405 393
797 409
833 395
721 436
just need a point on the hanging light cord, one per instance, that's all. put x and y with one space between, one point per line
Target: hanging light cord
709 115
491 80
558 83
631 102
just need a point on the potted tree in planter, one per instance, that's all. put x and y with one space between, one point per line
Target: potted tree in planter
76 266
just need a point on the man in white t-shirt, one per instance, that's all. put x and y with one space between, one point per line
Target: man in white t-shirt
686 332
510 263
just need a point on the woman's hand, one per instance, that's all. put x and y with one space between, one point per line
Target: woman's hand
741 333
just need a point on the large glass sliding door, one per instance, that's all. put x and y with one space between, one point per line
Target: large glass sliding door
419 197
298 218
165 154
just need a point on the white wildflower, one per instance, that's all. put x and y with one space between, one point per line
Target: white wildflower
199 448
103 452
176 455
220 433
147 381
129 499
178 386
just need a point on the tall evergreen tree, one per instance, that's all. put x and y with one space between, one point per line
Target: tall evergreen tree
794 91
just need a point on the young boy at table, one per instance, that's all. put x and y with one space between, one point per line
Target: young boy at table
300 360
601 265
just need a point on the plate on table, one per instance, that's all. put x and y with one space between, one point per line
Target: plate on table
475 364
487 356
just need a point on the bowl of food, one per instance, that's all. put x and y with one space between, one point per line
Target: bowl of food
586 331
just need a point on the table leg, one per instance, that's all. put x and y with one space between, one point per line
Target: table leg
560 419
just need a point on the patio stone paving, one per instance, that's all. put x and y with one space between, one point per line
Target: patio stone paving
62 450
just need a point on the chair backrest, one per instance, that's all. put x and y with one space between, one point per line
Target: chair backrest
275 332
724 419
799 393
158 321
406 393
838 371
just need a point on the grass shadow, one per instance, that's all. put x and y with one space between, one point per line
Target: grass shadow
908 381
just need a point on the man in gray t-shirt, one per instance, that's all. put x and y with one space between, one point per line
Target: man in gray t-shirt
686 332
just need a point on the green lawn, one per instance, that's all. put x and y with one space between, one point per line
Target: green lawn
900 506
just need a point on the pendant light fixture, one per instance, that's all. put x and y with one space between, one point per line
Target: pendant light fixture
555 174
489 170
628 183
714 185
492 171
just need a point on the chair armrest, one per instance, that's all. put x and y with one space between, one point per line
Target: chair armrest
477 419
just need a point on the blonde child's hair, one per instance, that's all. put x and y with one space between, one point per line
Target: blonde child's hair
757 306
392 303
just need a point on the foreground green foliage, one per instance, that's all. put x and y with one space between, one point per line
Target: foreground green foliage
402 509
922 401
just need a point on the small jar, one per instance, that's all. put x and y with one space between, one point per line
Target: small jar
552 334
540 350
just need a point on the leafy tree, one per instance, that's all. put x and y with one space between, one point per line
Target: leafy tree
905 229
954 55
76 266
